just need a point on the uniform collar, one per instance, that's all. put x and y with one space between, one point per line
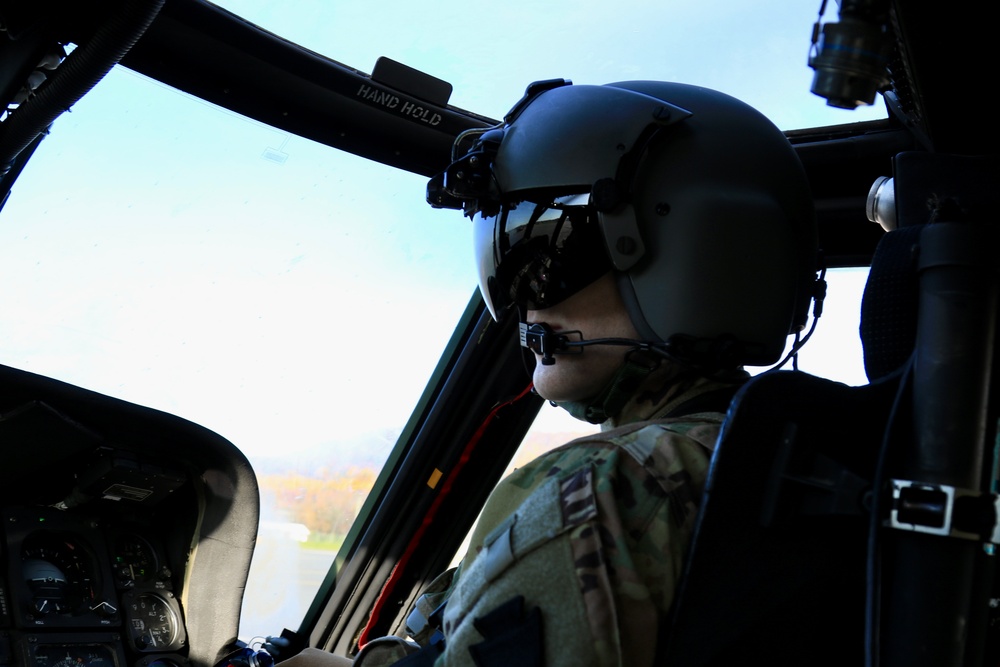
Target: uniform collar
650 387
665 391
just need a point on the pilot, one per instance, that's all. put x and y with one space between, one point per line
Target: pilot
652 239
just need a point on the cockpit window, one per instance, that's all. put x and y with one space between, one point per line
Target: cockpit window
288 296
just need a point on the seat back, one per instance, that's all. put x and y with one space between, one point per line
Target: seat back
776 567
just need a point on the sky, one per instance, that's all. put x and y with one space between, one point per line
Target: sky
289 296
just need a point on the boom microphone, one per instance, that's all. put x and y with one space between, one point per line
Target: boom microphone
543 341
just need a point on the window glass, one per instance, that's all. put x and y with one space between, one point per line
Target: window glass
290 297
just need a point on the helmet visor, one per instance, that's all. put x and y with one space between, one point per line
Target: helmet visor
534 255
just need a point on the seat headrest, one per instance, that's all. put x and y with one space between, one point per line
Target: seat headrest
889 305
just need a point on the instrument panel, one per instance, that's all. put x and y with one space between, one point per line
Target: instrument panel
89 581
108 511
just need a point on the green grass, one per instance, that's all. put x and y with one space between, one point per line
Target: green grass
323 542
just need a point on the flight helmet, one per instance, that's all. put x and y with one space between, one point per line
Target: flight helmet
696 202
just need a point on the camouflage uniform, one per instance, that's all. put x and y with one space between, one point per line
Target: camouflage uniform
593 533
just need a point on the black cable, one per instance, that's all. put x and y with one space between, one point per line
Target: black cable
872 583
550 342
76 75
819 297
798 345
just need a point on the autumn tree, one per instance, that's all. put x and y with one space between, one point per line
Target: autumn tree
325 503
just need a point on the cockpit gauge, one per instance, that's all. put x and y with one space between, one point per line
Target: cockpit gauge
154 622
58 575
134 561
72 655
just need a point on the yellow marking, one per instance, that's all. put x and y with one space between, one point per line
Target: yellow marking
435 478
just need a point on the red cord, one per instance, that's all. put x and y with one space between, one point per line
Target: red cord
400 567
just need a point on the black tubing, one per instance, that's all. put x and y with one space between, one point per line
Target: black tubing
77 74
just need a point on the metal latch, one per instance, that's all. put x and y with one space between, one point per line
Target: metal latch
939 509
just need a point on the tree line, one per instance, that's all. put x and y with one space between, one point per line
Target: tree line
325 502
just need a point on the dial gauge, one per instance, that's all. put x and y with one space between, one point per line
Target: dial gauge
73 655
135 561
58 575
154 624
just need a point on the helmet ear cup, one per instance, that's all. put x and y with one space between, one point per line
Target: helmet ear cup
721 272
622 236
723 207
